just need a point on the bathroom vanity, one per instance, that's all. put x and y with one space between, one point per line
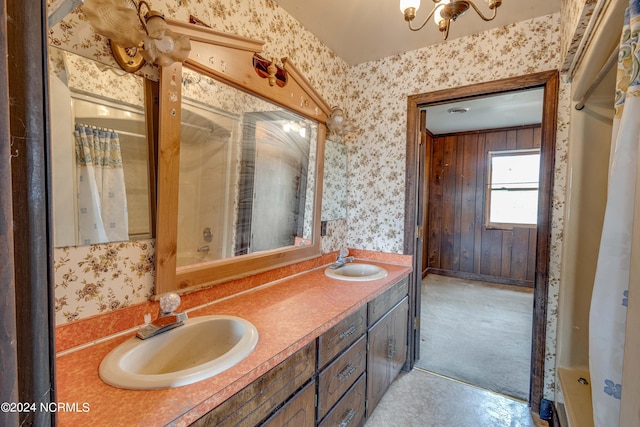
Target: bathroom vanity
335 342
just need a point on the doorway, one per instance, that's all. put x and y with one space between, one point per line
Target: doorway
417 222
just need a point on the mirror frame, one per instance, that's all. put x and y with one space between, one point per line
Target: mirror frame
227 58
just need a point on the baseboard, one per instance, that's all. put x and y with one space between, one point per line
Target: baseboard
479 277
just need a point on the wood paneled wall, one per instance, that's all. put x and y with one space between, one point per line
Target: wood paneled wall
458 243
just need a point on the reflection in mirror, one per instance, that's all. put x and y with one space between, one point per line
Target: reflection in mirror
100 167
246 174
334 184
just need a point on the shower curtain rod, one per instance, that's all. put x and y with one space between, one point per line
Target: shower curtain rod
119 132
613 58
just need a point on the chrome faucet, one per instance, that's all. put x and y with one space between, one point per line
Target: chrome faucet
167 317
342 259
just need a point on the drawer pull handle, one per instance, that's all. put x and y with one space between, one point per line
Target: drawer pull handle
346 372
347 332
391 348
348 417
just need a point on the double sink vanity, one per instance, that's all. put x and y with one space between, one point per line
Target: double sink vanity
268 332
338 341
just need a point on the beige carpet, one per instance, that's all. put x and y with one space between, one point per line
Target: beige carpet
477 333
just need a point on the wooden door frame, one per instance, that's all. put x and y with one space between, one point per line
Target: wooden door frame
549 81
32 259
8 345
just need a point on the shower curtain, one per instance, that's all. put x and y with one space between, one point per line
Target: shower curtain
102 201
607 317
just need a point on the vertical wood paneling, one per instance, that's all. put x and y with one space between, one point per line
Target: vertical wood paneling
480 198
448 203
537 137
507 248
435 204
520 253
468 203
531 260
458 241
457 219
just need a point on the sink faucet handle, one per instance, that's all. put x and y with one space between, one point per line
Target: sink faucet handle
169 302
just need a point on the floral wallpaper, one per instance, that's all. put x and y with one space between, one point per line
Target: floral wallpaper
83 289
576 15
92 280
99 278
334 184
379 90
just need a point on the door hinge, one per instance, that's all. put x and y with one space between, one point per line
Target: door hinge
419 232
423 137
416 323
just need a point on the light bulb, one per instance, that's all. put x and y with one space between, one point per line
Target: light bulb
436 14
164 44
406 4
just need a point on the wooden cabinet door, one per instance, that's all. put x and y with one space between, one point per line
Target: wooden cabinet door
398 339
387 352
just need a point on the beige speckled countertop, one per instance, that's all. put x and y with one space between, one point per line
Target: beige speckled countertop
288 314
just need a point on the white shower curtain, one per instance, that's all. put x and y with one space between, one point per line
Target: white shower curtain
607 317
102 201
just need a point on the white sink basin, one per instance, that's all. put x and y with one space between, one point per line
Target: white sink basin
199 349
356 272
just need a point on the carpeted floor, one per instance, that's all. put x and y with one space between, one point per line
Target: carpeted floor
477 333
422 399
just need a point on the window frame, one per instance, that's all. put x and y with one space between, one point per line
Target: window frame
488 224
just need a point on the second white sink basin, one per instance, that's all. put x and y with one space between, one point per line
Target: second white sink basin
201 348
356 272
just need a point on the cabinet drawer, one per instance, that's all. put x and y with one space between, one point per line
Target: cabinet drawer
336 339
336 379
300 411
255 402
349 412
383 303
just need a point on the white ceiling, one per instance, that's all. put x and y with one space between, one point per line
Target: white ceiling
363 30
489 112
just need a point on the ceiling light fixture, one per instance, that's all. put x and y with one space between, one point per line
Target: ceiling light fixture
445 11
458 110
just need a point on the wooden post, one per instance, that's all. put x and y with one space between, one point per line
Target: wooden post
32 239
8 348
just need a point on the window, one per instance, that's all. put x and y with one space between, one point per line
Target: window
512 188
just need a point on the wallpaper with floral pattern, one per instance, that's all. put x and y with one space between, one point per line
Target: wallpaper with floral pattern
91 280
99 278
377 155
575 18
113 287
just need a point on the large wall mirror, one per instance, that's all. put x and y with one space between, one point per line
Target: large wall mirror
240 166
100 152
246 184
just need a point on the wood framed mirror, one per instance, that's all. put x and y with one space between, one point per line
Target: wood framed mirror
240 163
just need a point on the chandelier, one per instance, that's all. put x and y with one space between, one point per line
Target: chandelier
445 11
